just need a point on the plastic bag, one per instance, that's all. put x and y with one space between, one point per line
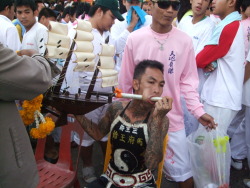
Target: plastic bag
210 157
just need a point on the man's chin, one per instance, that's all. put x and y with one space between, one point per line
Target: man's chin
151 103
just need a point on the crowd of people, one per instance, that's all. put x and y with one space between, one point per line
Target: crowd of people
194 55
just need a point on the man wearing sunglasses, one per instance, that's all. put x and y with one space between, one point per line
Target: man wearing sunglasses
162 42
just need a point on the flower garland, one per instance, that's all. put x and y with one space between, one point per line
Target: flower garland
31 112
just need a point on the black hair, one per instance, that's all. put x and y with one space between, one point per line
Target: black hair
83 7
28 3
143 65
122 7
47 12
238 5
94 8
244 5
65 12
59 8
72 10
74 4
185 6
6 3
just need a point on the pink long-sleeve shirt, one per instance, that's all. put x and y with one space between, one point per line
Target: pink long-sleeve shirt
180 71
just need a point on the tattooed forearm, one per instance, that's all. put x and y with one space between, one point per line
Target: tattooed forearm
157 130
103 127
90 127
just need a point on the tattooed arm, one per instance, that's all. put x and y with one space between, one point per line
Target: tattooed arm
97 132
157 129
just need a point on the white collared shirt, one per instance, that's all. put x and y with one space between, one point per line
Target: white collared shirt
35 38
8 34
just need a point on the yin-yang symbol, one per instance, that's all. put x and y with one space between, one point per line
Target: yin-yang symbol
125 160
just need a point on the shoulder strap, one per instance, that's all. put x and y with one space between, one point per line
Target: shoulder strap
122 113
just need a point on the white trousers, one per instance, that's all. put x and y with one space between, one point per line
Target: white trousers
240 142
235 124
222 116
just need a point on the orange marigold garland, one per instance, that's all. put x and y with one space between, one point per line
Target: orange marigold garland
31 112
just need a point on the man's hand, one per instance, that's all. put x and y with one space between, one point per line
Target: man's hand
207 121
28 52
133 22
209 68
162 107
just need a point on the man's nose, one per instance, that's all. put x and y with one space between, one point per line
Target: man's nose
199 1
22 15
156 89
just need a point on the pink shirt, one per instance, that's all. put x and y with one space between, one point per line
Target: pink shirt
180 71
246 28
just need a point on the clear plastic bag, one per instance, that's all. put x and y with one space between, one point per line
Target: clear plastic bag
210 157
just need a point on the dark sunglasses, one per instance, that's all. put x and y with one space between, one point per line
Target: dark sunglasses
166 4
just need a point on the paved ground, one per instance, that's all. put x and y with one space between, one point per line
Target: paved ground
236 180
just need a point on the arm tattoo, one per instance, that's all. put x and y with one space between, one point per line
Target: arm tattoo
99 131
157 130
115 109
90 127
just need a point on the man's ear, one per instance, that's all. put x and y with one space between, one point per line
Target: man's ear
136 84
124 2
36 12
42 19
99 12
7 8
232 3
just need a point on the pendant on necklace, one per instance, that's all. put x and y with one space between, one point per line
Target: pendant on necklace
161 43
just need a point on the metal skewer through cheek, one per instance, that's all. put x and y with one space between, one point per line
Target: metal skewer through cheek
119 94
134 96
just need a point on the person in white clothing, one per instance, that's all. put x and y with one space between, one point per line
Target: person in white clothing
8 32
223 88
238 128
36 34
240 143
121 29
222 91
102 16
199 27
